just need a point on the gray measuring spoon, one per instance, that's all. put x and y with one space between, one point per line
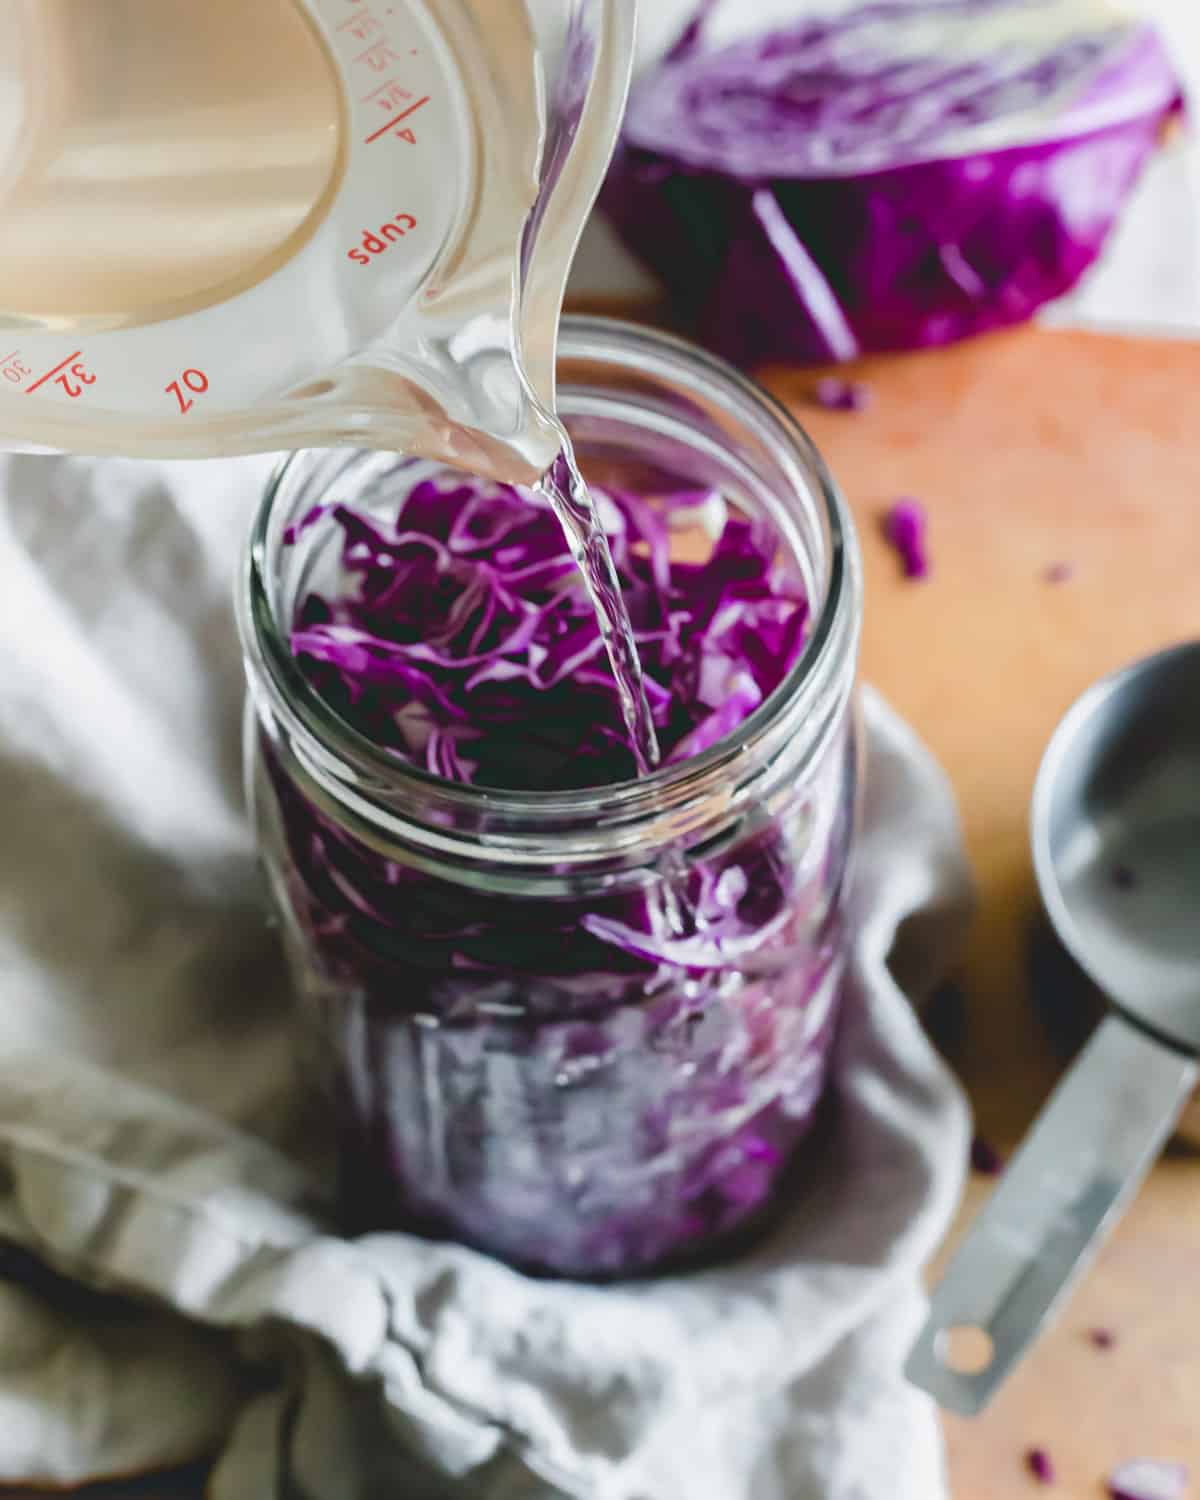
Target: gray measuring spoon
1116 848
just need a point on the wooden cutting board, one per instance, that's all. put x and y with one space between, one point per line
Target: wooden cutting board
1032 449
1028 450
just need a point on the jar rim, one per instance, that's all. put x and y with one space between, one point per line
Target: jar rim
668 790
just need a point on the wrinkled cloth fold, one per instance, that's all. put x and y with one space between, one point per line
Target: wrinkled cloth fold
172 1284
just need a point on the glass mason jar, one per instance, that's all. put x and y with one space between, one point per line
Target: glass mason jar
501 1071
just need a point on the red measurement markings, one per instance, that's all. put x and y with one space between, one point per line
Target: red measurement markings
362 26
388 94
72 379
13 369
50 374
377 57
395 120
195 381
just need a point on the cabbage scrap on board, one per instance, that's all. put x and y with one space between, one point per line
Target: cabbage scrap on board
884 174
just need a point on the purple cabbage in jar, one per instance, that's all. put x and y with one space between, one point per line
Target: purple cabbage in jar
587 1085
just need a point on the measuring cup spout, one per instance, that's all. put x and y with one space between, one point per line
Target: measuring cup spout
366 242
592 61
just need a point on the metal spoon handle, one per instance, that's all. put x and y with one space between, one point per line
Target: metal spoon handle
1059 1197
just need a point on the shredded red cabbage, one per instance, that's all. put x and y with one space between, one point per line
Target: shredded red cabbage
575 1083
842 395
985 1159
465 642
904 526
886 175
1040 1465
1148 1479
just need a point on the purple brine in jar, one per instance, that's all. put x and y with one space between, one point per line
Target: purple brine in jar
578 1020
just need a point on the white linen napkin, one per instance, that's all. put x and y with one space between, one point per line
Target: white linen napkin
173 1286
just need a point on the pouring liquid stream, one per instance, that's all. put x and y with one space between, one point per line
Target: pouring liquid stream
565 490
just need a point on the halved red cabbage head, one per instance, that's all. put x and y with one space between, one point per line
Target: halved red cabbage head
888 174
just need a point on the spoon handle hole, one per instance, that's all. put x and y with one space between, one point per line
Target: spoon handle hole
1060 1195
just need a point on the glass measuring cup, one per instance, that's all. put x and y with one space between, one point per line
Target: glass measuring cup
231 228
